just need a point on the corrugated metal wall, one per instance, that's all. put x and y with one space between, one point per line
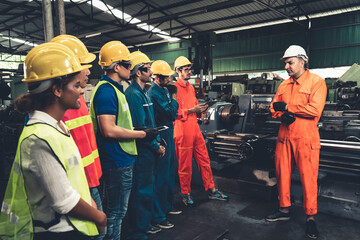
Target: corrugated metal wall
333 41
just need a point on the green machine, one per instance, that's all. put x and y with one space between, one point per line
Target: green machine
262 85
331 90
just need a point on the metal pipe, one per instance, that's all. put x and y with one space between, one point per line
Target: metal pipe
227 153
340 142
61 13
47 20
342 168
340 163
347 148
226 144
228 149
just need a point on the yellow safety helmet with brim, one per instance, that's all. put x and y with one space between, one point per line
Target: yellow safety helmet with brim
181 61
77 46
114 51
50 60
161 67
138 57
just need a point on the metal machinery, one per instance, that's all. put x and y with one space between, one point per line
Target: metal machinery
11 124
241 139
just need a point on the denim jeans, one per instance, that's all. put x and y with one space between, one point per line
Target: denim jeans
94 192
117 185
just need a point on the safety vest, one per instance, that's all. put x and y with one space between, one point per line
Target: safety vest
15 219
78 121
123 119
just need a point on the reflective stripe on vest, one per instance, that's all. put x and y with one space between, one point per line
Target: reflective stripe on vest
123 118
77 122
16 221
89 159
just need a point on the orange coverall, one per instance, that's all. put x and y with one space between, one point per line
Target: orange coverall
300 141
189 140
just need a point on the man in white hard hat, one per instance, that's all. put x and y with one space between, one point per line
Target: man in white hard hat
298 103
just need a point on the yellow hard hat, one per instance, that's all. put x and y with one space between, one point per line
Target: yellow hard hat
181 61
77 46
113 51
161 67
50 60
138 57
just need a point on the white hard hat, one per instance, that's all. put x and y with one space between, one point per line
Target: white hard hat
295 51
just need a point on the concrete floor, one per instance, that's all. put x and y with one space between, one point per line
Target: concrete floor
243 218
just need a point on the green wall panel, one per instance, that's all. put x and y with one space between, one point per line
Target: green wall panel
335 57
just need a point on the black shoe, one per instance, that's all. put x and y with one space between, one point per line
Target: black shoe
311 229
278 216
153 229
165 224
174 211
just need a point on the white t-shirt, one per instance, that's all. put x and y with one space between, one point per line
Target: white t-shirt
46 183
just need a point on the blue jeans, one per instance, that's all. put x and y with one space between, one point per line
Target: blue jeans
117 184
94 192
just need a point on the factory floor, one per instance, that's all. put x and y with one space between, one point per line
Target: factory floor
242 217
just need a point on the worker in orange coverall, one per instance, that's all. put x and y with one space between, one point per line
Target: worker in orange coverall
188 139
298 103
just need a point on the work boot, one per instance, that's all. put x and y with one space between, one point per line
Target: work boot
187 200
174 211
153 229
165 224
217 195
311 229
278 216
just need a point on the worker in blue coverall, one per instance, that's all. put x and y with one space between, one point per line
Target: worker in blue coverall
142 114
166 111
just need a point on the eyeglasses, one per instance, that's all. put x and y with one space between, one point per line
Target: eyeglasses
186 69
144 69
126 65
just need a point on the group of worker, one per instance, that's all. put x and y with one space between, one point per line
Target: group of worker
126 144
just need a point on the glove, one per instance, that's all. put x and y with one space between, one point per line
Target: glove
288 118
172 89
279 106
151 134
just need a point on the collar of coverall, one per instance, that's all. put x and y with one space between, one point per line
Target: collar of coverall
182 84
138 86
300 80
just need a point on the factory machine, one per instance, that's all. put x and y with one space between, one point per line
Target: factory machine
241 139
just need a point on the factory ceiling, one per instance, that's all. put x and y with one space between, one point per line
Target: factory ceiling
138 22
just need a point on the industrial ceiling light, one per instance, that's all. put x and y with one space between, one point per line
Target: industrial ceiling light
26 42
128 18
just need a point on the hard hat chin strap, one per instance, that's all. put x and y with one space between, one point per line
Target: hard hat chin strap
303 58
111 66
136 69
43 86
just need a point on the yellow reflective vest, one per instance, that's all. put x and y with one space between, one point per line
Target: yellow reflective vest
123 119
15 218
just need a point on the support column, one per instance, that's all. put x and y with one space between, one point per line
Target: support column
61 13
47 20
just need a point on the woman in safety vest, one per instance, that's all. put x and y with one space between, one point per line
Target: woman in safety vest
47 196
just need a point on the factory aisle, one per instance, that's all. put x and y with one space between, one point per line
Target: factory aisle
243 218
